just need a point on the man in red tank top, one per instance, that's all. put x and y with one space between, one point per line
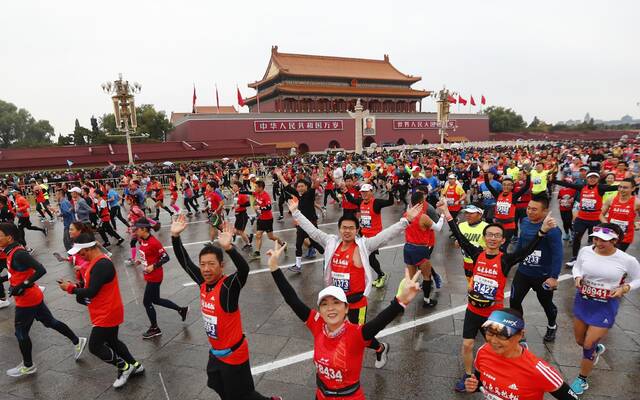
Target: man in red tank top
101 295
228 368
30 305
622 211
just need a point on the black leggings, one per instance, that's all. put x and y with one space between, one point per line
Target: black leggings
104 344
567 220
116 212
41 208
104 228
191 202
24 319
580 226
151 297
375 264
232 382
301 235
25 223
332 193
519 289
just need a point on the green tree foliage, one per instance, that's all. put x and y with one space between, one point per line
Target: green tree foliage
19 128
153 123
503 119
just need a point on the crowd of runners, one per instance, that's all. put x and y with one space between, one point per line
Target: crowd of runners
494 204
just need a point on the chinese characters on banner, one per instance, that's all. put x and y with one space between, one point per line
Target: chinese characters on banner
420 124
294 125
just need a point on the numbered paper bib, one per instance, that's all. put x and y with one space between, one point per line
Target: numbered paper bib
210 325
401 181
624 225
487 194
341 280
365 221
595 290
588 204
502 207
450 201
485 286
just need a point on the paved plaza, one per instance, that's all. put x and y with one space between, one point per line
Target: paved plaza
424 360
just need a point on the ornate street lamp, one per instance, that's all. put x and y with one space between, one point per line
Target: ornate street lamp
442 100
124 108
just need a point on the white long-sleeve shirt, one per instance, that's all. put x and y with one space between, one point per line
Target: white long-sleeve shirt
607 272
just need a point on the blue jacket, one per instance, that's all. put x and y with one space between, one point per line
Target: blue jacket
487 197
67 212
546 259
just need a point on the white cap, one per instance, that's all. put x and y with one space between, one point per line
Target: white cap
593 173
604 233
333 291
251 176
452 176
415 167
75 189
473 209
79 246
366 188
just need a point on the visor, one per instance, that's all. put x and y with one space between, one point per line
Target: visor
473 209
604 233
590 174
366 188
334 291
504 323
79 246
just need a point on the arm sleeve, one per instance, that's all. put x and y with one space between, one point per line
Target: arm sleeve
567 184
602 189
23 260
564 392
371 328
185 262
164 258
489 186
352 199
290 296
313 232
524 189
509 260
379 204
469 248
290 190
101 274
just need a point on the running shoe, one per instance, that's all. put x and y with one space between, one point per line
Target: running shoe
459 387
295 268
137 368
129 261
437 279
45 231
79 348
52 220
382 356
189 214
43 219
256 255
382 281
579 385
183 313
4 303
21 370
152 332
280 218
565 236
550 336
429 303
123 376
570 263
59 257
30 250
246 247
252 220
106 244
251 238
120 241
599 350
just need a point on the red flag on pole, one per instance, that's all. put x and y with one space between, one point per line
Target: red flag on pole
473 102
451 99
193 103
483 101
240 99
462 101
217 100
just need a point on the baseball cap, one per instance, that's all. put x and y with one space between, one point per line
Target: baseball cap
252 176
366 188
142 223
473 209
415 168
452 176
604 233
75 189
83 241
593 173
334 291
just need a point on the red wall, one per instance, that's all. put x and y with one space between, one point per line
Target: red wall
210 127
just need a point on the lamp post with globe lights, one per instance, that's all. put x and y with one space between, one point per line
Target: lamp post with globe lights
124 108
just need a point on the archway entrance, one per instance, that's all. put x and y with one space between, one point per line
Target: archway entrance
334 144
401 141
425 141
368 141
303 148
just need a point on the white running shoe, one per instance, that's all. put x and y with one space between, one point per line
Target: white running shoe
79 348
382 356
4 303
21 370
123 376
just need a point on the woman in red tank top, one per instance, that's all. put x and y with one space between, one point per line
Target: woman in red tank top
338 344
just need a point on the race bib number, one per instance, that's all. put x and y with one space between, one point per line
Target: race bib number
365 221
450 201
485 286
624 225
537 181
487 194
566 201
588 204
503 207
341 280
400 181
595 290
534 258
329 373
210 325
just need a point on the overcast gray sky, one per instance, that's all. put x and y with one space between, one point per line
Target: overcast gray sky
554 59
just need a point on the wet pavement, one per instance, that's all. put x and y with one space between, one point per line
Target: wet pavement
424 360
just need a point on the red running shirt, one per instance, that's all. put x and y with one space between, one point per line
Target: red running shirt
522 378
105 309
222 328
623 215
370 220
414 233
150 251
338 359
345 274
31 296
488 280
263 200
566 197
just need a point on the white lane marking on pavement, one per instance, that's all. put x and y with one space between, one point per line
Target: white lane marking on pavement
260 369
258 271
278 231
164 386
135 296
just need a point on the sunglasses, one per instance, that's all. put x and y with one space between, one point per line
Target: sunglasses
605 230
500 335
